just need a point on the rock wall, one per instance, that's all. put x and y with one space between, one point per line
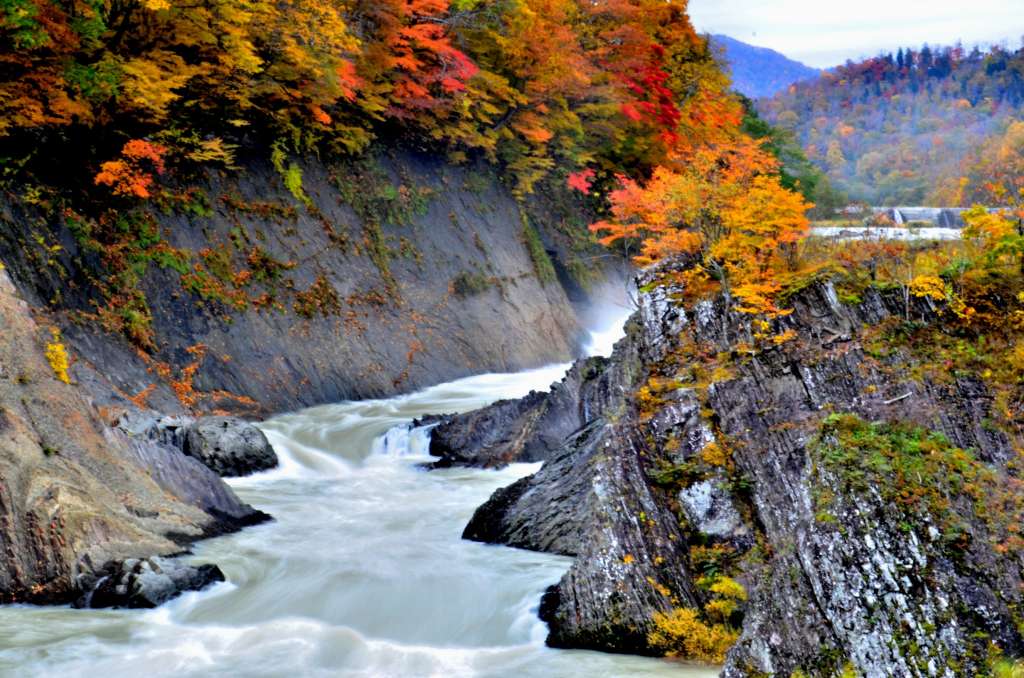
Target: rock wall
399 272
851 558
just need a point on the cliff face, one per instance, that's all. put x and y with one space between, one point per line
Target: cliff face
75 493
381 275
243 292
867 505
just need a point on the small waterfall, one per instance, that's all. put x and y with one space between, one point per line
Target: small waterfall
897 217
404 440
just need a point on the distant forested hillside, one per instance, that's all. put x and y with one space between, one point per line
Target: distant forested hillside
759 71
905 128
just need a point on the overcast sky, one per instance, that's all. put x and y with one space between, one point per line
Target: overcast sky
825 33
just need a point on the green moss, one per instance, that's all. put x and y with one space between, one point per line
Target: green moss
920 473
380 254
366 187
1006 668
291 173
542 266
468 284
265 268
476 183
585 275
674 477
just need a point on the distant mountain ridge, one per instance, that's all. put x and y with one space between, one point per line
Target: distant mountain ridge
758 71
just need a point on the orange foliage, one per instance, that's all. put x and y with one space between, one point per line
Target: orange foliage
723 204
182 386
133 174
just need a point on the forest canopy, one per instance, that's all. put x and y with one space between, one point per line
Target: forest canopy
531 84
906 128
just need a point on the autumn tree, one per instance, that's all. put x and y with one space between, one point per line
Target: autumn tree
726 208
761 229
998 234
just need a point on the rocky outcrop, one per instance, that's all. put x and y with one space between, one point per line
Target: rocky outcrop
393 271
592 500
144 583
75 493
714 460
525 430
228 446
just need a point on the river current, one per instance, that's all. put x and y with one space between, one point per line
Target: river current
362 572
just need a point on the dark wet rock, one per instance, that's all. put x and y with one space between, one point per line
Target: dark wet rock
593 501
532 428
494 436
862 583
143 583
229 446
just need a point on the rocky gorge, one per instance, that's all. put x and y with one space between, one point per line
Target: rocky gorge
812 494
395 272
824 503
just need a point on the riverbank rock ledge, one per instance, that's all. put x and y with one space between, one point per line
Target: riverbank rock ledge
688 457
143 583
76 492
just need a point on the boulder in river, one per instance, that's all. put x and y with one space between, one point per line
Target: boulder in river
228 446
143 583
529 429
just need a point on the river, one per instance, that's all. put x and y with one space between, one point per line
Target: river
363 572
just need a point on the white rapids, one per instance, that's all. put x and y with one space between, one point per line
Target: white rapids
362 573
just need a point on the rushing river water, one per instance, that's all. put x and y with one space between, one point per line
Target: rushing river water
363 572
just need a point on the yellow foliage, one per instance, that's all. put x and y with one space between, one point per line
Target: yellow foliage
929 286
213 150
57 356
1017 361
660 588
714 455
149 83
729 588
681 633
787 336
720 610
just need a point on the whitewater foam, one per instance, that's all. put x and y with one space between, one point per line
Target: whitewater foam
362 573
